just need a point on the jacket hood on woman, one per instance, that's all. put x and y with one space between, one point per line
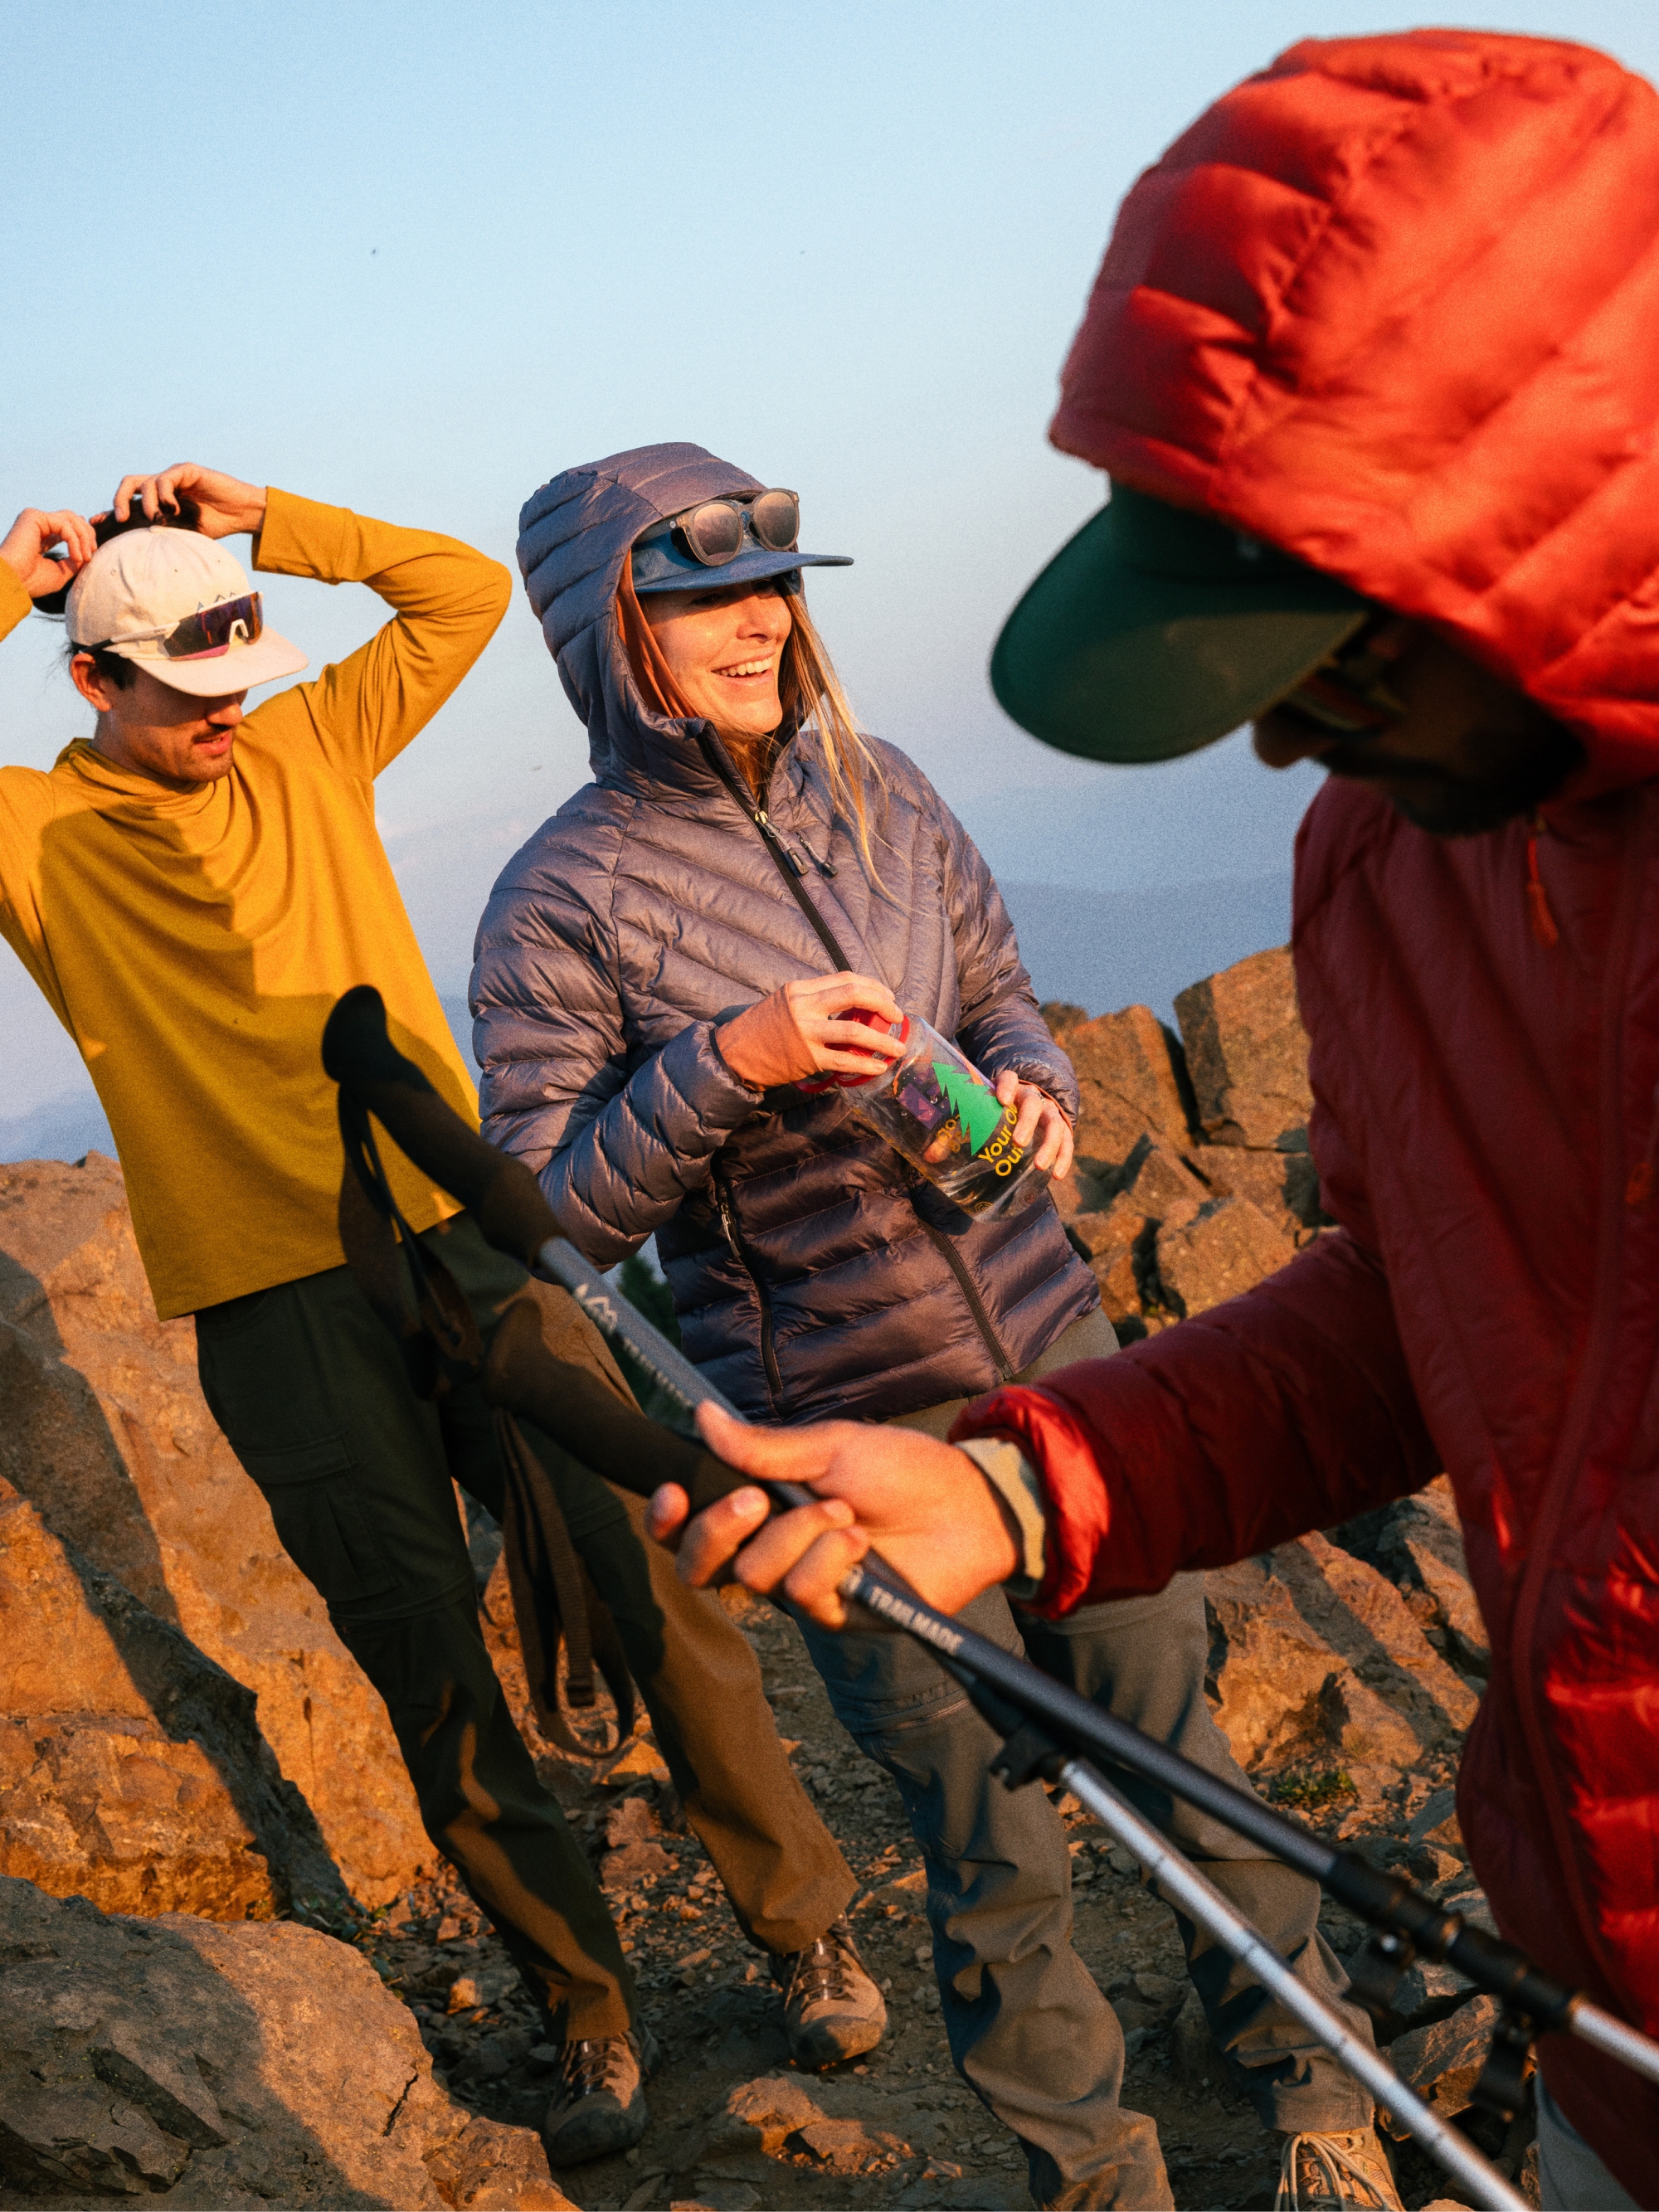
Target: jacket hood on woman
1394 305
809 1277
575 538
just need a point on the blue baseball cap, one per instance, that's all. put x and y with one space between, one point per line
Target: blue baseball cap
663 560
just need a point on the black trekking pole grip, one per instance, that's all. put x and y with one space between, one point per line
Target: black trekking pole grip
500 1192
616 1440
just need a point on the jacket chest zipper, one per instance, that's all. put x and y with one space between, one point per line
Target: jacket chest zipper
958 1266
792 869
1585 1397
740 1252
790 865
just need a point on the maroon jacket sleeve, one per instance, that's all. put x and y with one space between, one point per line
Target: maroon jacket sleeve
1285 1410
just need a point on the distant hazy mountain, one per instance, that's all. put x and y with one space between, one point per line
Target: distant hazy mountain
65 1127
1099 949
1104 949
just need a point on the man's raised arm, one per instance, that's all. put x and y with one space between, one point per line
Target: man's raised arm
449 601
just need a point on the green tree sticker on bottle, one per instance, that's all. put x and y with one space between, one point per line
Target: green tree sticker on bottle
977 1109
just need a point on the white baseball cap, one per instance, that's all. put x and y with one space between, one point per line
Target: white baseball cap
184 608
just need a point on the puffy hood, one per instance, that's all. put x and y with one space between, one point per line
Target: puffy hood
574 536
1393 305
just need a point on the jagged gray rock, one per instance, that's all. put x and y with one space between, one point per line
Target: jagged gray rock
845 2123
1225 1249
1313 1652
1443 2061
1130 1084
1282 1185
1246 1054
212 2066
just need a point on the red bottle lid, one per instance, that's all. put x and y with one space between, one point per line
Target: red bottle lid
834 1079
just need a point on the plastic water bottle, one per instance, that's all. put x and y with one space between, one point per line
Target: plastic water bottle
936 1109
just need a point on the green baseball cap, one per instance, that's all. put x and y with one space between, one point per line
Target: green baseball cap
1154 631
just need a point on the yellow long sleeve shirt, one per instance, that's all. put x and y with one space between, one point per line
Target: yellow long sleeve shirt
192 941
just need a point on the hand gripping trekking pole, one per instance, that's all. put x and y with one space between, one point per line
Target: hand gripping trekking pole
511 1213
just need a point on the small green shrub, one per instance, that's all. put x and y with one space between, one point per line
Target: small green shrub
1310 1793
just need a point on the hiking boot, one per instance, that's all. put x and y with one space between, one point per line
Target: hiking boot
831 2009
1331 2173
597 2105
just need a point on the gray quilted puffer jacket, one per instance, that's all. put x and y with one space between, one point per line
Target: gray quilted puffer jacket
812 1278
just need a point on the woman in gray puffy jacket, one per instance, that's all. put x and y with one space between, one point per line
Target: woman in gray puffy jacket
656 970
696 876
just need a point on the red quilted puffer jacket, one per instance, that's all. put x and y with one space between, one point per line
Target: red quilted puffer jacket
1393 306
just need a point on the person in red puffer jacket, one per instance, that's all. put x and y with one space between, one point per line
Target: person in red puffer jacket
1373 364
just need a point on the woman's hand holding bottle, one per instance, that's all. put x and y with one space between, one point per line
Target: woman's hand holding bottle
798 1031
1041 1123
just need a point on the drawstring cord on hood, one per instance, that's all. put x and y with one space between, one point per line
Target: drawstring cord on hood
1538 899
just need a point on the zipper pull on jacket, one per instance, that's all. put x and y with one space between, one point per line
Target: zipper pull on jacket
1538 899
763 824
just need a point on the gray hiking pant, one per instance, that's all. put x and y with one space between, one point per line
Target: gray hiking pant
1028 2028
1570 2177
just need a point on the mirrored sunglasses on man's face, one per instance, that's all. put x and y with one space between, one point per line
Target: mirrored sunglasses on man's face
714 531
210 631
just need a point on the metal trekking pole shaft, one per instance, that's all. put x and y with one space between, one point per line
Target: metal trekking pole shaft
1183 1885
614 1317
1383 1899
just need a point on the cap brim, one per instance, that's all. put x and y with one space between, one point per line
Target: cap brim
1114 661
689 575
270 656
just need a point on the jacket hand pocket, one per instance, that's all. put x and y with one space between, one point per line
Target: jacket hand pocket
320 1518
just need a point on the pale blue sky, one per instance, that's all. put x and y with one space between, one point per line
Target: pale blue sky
416 258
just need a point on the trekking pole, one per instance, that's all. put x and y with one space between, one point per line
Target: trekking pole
1182 1884
1410 1924
511 1213
1028 1751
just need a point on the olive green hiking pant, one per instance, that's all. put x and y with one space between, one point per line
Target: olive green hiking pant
311 1390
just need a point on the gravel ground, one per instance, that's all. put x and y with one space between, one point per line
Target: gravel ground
898 2129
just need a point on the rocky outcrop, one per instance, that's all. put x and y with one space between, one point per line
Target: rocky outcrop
207 2066
1131 1080
1192 1178
1247 1054
1315 1654
132 1770
1344 1664
1418 1544
104 1431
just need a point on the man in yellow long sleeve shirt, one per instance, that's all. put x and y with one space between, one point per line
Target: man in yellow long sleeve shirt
192 890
